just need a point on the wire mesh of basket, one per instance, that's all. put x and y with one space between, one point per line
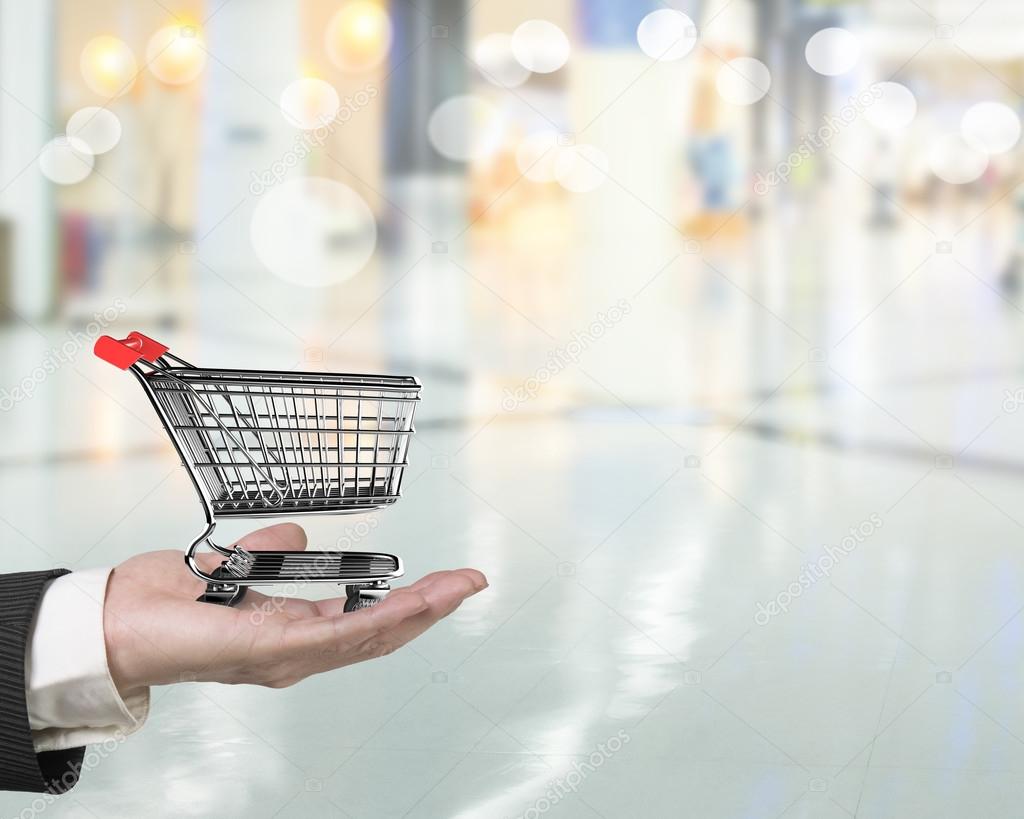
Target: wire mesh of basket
287 443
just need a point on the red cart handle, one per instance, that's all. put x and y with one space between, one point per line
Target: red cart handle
126 351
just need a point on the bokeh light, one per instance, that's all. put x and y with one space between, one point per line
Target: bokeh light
465 128
954 161
493 55
97 128
540 46
176 54
666 34
358 36
313 231
66 160
309 103
833 51
894 108
990 127
743 80
108 66
581 168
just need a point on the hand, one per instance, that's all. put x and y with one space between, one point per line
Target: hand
156 633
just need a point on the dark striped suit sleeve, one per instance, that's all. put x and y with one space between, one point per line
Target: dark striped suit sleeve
21 768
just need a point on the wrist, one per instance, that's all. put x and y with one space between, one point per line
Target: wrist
126 672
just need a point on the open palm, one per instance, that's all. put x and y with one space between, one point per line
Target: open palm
156 632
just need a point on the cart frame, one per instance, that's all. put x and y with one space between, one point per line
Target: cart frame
297 477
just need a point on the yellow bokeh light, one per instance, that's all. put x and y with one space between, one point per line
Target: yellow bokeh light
358 36
108 66
176 54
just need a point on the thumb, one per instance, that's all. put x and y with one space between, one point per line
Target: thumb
285 537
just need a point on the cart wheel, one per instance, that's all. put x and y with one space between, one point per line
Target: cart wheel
359 602
222 594
363 597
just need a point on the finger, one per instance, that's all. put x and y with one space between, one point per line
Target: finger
448 593
443 597
286 537
260 606
345 631
335 606
476 577
208 561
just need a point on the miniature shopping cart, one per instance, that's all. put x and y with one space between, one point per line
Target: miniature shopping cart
260 443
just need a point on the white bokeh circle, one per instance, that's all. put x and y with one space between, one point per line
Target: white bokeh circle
893 108
833 51
743 81
313 231
540 46
176 54
536 155
493 56
990 127
97 128
465 128
66 160
309 103
581 168
666 34
954 161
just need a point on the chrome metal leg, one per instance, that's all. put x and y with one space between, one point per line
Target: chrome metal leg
222 594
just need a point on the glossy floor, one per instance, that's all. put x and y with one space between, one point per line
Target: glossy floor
753 552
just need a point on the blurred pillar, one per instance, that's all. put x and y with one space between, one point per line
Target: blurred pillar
426 192
26 114
809 91
255 48
427 65
774 130
764 28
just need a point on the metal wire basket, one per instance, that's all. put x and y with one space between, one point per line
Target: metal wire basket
266 443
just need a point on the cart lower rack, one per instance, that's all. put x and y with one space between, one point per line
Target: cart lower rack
260 443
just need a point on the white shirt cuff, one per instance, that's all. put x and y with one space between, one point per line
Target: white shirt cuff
72 700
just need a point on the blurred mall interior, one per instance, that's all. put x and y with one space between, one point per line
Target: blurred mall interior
716 307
